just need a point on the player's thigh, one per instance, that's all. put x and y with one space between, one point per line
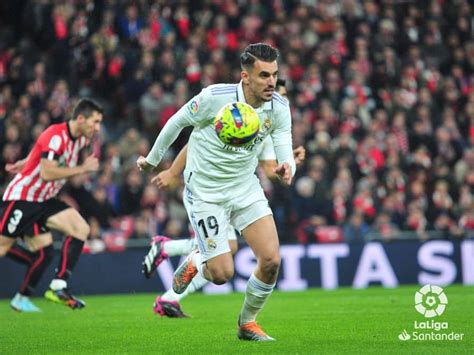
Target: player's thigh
262 238
234 246
39 241
232 235
256 224
5 244
69 222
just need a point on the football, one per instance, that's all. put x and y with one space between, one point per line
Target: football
237 124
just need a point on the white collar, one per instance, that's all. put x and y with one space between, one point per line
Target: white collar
267 106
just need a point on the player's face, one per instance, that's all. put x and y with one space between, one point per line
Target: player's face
91 125
259 81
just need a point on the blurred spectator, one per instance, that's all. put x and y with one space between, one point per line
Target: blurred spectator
383 228
355 230
152 104
130 193
130 23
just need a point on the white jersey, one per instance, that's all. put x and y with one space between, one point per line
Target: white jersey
217 172
266 151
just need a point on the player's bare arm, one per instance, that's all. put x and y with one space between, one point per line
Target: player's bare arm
16 167
50 169
169 177
269 166
283 171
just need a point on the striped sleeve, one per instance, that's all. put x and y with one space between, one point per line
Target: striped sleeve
51 144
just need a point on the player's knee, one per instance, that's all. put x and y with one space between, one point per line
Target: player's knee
85 230
222 278
81 231
221 275
270 265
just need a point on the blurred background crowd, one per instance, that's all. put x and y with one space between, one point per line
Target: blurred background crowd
381 92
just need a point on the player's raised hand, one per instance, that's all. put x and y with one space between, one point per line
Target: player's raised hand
283 171
14 168
143 165
299 154
165 179
90 164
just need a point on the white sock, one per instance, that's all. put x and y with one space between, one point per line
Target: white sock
178 247
57 284
197 283
197 261
256 295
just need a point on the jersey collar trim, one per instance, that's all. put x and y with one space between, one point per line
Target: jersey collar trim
69 131
267 106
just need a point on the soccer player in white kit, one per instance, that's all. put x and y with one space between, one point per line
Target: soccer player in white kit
222 189
163 247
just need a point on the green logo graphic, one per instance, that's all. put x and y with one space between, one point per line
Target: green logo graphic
404 336
430 301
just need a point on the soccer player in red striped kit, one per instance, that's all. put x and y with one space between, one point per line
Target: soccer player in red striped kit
30 208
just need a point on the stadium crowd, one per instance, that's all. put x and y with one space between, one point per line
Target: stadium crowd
382 98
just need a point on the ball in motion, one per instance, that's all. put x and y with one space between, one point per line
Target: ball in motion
237 124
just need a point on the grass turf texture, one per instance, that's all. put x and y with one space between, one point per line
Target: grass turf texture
314 321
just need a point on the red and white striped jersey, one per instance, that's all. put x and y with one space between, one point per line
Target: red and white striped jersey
56 143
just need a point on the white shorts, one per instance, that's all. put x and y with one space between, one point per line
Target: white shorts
231 235
214 223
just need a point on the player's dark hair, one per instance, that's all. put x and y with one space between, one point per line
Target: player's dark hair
86 107
258 51
280 82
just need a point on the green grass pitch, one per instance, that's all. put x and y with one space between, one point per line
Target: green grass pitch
310 322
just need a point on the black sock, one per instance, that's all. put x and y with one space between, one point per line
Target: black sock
70 252
20 254
42 259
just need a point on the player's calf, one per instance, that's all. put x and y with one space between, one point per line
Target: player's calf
269 267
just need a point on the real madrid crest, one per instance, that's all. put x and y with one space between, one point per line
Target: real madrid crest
267 123
211 244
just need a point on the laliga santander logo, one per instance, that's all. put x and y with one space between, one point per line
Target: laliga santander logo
430 301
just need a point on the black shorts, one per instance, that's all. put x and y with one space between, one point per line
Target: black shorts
23 218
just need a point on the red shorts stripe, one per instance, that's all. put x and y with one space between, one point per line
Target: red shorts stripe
5 216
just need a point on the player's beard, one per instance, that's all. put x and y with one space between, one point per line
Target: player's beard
260 95
264 98
268 91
